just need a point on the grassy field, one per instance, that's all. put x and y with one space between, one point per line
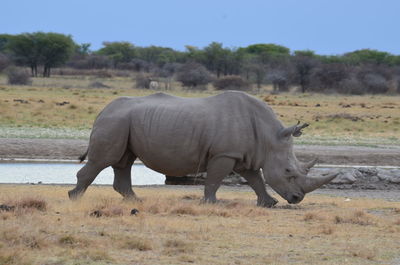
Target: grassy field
65 107
172 227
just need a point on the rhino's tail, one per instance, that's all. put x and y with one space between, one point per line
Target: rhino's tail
82 157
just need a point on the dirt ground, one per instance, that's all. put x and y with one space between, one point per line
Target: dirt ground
334 155
69 149
171 226
349 194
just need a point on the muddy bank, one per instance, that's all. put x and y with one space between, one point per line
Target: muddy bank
71 149
390 195
346 178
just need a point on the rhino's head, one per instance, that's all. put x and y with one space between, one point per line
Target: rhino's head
284 173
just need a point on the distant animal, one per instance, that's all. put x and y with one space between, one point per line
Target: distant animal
153 85
134 211
176 136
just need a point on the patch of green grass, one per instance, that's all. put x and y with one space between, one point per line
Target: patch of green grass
342 140
44 133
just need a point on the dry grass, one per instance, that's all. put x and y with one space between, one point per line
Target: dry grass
174 227
67 102
31 203
136 243
357 217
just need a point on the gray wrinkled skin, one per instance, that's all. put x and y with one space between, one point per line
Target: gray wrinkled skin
177 136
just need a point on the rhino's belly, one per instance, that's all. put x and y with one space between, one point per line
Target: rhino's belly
171 167
174 156
171 161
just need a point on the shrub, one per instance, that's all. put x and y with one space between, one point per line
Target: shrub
32 203
4 62
143 81
351 86
398 85
104 74
169 69
17 76
194 75
328 77
375 83
97 84
279 79
232 82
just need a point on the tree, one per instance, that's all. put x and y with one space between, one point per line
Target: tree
279 79
368 56
54 50
268 53
158 55
304 63
329 76
82 49
119 52
4 62
259 70
25 50
193 54
5 39
48 49
267 48
216 58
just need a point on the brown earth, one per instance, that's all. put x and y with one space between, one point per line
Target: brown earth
336 155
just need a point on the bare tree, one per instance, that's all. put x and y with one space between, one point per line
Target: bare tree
304 63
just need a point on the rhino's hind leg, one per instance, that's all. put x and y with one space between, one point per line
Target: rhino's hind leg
122 176
257 184
85 177
217 169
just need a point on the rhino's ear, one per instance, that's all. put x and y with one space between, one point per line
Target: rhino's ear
294 130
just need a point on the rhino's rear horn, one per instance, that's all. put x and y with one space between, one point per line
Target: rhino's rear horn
307 166
297 131
294 130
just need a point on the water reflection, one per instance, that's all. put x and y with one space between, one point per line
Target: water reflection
54 173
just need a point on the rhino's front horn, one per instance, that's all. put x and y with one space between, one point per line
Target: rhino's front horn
311 183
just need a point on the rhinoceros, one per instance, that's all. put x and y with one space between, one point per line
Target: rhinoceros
232 131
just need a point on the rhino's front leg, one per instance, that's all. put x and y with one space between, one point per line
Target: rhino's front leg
256 182
217 169
123 182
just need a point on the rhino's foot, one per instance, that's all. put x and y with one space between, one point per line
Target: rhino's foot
209 200
132 198
268 203
74 194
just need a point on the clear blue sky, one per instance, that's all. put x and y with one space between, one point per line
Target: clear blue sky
327 27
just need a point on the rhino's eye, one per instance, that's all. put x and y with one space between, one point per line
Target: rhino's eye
287 170
291 178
